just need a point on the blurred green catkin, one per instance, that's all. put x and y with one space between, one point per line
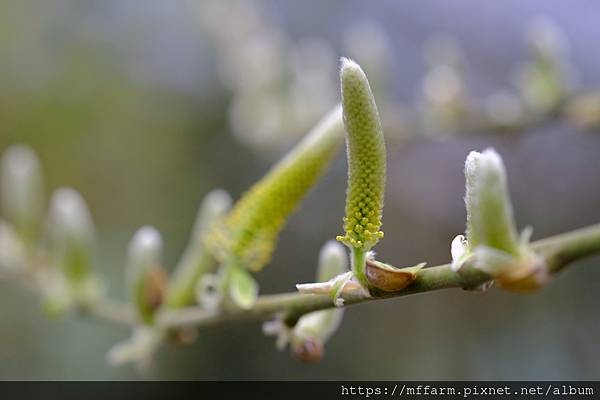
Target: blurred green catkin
249 233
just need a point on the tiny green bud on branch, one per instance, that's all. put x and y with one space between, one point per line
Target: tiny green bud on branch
307 338
71 239
143 272
314 329
196 260
21 191
249 233
332 261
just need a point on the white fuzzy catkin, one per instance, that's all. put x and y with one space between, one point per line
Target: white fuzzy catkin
490 220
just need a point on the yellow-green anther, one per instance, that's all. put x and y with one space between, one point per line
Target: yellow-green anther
314 329
249 233
366 160
71 235
143 259
490 220
196 260
21 191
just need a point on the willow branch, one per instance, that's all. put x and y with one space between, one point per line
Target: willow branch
558 251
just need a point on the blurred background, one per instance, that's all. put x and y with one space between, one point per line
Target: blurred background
145 106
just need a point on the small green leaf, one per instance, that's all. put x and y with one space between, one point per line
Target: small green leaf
243 289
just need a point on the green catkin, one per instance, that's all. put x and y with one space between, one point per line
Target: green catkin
366 160
248 234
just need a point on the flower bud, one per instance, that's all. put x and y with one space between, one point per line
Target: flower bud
492 238
309 333
333 261
489 210
71 236
143 272
21 191
196 260
314 329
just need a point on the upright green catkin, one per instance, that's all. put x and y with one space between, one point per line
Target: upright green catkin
248 235
366 160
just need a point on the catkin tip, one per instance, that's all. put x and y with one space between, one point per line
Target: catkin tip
348 65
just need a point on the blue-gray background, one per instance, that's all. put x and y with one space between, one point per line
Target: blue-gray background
123 101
